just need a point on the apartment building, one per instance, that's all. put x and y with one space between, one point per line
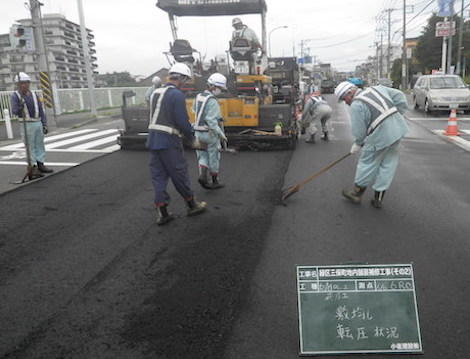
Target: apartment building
65 54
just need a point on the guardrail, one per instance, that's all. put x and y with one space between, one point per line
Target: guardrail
78 100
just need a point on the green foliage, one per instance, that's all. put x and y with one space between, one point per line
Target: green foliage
118 79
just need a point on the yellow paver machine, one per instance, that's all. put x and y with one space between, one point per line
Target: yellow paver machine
251 120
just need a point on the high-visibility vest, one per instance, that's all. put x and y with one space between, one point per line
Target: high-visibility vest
201 101
379 106
25 108
158 119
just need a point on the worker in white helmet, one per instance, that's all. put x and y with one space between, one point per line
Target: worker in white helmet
156 83
377 125
316 110
169 123
27 106
209 129
243 31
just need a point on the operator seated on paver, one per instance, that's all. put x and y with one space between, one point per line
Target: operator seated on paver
209 129
316 110
156 83
377 125
26 102
169 123
244 32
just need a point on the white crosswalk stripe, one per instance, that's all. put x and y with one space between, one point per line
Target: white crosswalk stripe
459 141
80 141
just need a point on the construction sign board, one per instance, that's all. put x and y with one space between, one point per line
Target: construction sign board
349 309
445 28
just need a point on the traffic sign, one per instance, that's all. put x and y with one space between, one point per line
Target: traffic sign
349 309
445 28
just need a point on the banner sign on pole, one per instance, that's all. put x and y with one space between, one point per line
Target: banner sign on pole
445 28
446 8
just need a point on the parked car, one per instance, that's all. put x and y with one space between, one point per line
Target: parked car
441 93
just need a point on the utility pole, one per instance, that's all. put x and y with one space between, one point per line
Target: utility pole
403 56
449 46
459 51
86 55
377 73
444 51
389 40
381 55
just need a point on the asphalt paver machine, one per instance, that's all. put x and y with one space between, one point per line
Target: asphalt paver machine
250 116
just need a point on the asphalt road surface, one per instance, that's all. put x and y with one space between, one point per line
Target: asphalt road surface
86 273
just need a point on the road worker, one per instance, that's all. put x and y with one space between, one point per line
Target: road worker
208 128
28 107
244 32
169 123
377 125
156 83
316 110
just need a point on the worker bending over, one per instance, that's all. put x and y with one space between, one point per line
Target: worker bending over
316 110
377 125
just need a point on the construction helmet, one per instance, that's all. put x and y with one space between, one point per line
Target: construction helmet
23 77
217 80
236 21
343 88
181 69
157 81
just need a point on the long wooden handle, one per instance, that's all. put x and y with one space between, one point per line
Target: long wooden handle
323 170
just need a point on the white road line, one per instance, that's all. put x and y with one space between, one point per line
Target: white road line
51 164
101 141
80 139
466 119
112 148
48 139
467 132
459 141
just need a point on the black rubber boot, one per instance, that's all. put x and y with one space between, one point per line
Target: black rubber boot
311 139
355 195
195 207
215 182
203 181
378 198
35 174
325 136
44 169
163 217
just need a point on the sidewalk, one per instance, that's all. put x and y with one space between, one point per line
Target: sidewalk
66 121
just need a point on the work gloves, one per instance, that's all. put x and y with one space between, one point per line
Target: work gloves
45 130
355 148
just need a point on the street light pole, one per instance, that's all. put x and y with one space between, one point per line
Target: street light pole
269 36
86 55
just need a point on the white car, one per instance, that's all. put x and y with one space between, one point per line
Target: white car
441 93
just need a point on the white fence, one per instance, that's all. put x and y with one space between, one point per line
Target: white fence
76 100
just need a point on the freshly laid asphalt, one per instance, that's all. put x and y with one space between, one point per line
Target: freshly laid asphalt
86 273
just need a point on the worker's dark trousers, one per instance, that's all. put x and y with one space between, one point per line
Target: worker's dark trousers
166 164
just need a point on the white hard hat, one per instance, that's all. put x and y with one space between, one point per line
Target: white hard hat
157 81
23 77
236 20
180 68
343 88
217 80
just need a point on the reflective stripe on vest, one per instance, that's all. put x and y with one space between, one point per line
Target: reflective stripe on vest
25 108
375 100
200 124
153 125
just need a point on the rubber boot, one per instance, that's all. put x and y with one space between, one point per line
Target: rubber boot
43 169
163 217
311 139
325 136
203 178
195 207
215 183
378 198
35 174
355 195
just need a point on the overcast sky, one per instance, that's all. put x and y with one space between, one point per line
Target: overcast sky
131 35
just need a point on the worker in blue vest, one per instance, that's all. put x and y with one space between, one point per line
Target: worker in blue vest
27 106
316 110
169 123
378 126
209 129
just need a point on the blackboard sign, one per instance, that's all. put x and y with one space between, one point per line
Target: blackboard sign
357 309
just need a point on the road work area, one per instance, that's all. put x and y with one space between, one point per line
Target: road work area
85 272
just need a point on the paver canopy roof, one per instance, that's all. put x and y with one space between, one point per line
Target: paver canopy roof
212 7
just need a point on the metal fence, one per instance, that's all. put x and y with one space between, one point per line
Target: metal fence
77 100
